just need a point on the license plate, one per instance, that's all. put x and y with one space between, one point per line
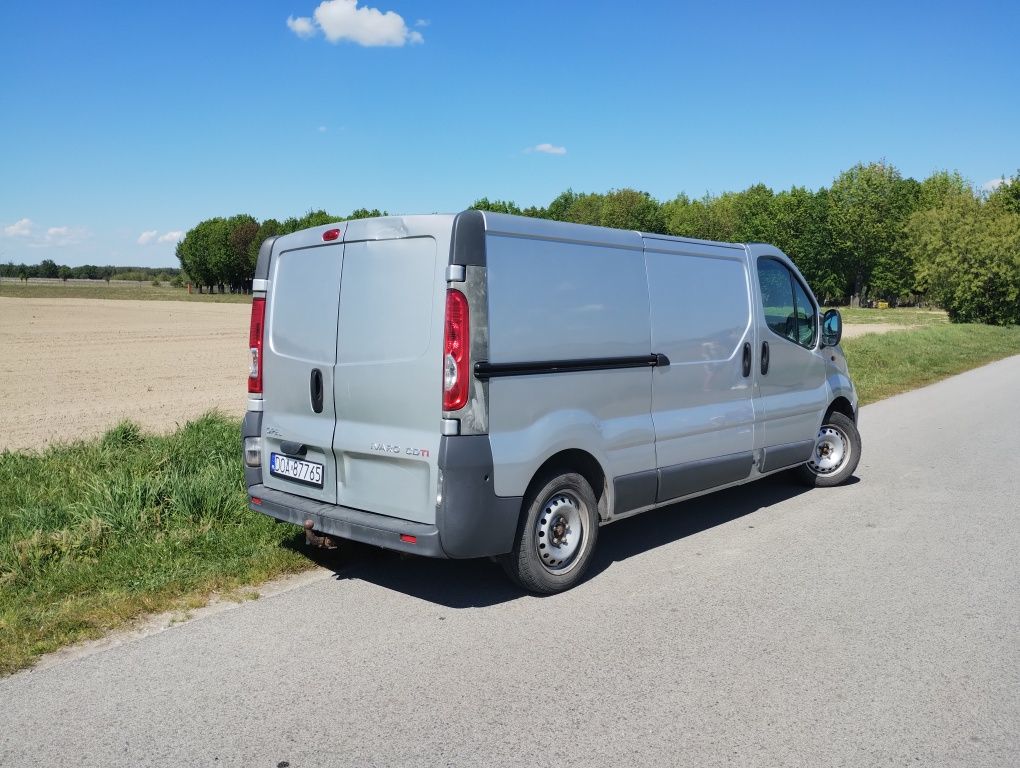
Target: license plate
307 472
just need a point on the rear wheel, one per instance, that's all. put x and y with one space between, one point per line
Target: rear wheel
556 535
836 454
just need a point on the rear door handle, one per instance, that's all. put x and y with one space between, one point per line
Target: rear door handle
747 359
764 358
316 390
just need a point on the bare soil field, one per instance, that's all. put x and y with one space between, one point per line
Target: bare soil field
73 368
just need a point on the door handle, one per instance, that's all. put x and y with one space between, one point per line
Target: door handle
764 358
747 359
316 390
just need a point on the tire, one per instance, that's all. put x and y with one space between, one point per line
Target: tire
837 452
556 535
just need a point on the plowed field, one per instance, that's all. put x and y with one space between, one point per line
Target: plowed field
72 368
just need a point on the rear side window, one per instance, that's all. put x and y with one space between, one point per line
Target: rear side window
788 310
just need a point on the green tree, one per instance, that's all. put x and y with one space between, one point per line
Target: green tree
868 206
685 217
48 268
365 213
558 208
242 231
204 253
801 231
631 209
968 259
940 187
495 206
1007 194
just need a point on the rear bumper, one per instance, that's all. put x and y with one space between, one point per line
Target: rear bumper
347 523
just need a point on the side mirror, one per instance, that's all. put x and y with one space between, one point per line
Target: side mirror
832 328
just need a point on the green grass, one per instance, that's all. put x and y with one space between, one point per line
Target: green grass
113 290
899 316
886 364
97 533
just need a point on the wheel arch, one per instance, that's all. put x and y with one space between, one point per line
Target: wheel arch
842 405
581 462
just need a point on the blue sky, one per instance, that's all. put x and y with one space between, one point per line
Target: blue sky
124 123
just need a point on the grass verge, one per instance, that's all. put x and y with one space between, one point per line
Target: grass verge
910 316
890 363
97 533
114 290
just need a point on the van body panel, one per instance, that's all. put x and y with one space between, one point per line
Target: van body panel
604 413
301 317
567 300
388 370
701 319
558 300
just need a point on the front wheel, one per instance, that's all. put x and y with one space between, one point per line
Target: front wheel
556 536
836 454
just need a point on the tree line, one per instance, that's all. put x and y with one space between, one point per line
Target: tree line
48 268
873 234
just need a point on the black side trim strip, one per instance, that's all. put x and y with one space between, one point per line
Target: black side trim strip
485 370
635 491
684 479
791 454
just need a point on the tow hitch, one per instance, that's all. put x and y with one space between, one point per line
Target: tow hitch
321 540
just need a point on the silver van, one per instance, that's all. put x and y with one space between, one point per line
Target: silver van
478 384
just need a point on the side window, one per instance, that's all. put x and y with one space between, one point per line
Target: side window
777 298
806 325
788 310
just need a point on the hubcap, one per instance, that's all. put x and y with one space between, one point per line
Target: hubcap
832 449
560 532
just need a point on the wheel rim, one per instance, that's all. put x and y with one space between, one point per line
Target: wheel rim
560 534
832 449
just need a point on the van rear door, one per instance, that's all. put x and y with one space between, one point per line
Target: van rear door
299 357
388 380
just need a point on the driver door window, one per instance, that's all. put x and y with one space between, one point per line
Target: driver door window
788 310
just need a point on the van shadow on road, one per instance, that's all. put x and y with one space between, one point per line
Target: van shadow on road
481 583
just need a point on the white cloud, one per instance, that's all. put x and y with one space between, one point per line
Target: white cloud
547 149
322 129
422 23
62 236
301 26
341 20
150 236
993 184
20 228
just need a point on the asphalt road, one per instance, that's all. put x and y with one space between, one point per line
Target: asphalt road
873 624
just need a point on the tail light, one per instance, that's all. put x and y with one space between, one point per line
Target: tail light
258 316
456 351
